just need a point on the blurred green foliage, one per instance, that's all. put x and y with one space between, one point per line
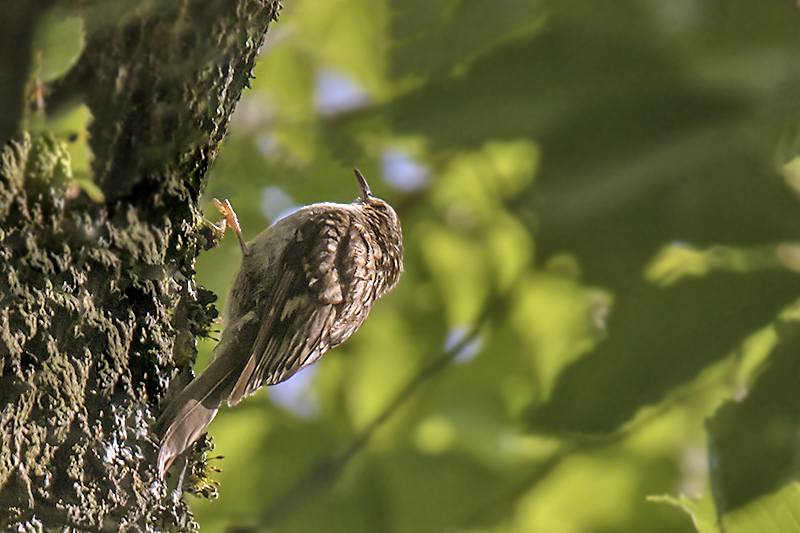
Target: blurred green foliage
599 203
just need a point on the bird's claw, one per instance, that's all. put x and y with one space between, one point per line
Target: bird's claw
228 219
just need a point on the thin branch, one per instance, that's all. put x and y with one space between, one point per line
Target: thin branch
498 505
325 474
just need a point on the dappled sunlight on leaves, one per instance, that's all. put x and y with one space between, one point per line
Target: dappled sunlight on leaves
600 212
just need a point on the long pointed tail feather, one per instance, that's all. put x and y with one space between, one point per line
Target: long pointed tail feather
193 410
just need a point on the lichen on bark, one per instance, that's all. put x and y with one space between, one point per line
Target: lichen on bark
98 304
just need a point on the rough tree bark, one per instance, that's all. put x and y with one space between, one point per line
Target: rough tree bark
98 305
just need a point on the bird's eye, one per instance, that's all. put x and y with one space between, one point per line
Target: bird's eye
381 207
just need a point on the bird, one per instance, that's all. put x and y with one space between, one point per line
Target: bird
305 285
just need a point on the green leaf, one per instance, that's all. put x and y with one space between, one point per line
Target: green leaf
658 340
59 42
778 512
755 444
774 513
701 511
433 37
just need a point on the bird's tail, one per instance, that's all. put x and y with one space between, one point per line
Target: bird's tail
193 410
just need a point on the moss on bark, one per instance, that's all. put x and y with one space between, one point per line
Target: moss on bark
98 305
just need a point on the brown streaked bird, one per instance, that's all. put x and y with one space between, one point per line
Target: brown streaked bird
306 284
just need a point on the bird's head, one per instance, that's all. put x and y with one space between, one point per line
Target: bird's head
383 221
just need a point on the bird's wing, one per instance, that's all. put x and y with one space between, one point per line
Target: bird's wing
302 305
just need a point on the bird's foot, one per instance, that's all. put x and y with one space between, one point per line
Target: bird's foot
228 219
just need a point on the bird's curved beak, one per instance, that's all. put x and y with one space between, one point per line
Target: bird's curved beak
363 187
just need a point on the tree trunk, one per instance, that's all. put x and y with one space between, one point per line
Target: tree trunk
98 303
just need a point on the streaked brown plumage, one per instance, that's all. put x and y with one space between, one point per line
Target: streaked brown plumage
305 286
